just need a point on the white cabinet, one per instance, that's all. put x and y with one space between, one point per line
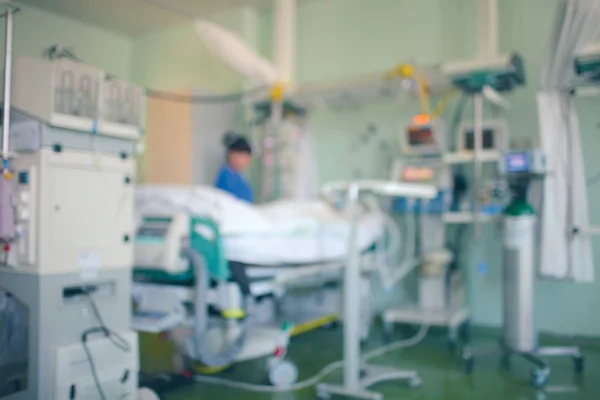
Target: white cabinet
122 108
62 93
72 95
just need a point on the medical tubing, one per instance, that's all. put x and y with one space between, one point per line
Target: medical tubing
201 348
443 103
401 344
422 93
386 259
403 266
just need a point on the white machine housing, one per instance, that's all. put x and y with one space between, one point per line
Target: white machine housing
459 68
122 110
495 136
110 365
421 139
159 240
74 211
531 162
71 95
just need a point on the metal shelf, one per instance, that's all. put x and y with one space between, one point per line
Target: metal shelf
468 217
416 315
465 157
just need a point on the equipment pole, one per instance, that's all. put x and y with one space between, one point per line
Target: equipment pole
352 298
7 81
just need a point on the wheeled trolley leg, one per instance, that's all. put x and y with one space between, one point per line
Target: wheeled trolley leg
370 375
540 372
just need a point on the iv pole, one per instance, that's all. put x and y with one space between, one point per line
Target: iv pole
7 220
7 85
357 377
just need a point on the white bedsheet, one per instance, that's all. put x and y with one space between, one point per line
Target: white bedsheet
283 232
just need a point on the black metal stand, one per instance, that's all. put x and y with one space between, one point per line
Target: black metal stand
541 370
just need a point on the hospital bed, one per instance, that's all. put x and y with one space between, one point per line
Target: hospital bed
277 246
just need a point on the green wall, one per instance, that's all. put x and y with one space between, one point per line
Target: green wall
344 38
175 58
36 30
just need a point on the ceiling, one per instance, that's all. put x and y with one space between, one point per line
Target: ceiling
137 17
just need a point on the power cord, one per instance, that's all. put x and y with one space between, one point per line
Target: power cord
401 344
115 339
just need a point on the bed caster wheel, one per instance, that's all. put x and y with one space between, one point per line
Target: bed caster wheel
282 373
415 382
539 378
579 364
469 365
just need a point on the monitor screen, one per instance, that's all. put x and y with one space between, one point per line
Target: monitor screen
154 227
488 142
150 231
417 174
421 136
516 162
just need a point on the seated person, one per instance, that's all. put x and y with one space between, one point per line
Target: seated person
238 159
231 180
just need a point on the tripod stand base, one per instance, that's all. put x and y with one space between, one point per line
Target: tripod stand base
541 370
371 375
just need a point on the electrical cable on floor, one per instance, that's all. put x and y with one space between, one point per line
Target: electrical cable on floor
115 339
401 344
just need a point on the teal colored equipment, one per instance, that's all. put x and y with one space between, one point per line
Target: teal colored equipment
180 253
203 237
502 74
587 65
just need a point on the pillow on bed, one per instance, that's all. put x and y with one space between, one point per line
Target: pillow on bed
232 215
291 209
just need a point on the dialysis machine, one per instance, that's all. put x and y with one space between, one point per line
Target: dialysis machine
67 229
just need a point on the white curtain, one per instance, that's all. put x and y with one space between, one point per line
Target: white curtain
563 254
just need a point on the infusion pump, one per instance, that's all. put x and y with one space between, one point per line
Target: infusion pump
159 240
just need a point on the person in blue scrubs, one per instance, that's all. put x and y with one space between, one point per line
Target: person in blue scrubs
239 158
231 180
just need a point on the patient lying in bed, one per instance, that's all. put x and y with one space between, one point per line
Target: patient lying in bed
282 232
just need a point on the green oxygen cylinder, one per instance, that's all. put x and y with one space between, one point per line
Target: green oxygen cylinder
519 245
